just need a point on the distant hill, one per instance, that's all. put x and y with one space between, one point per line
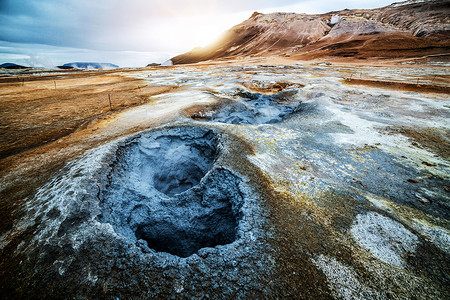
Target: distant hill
89 65
412 28
12 66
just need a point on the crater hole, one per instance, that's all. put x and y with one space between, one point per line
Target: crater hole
180 163
151 167
186 233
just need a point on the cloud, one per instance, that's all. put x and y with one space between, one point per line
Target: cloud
137 25
47 22
107 24
38 55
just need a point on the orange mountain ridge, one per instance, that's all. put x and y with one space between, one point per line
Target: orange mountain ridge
409 29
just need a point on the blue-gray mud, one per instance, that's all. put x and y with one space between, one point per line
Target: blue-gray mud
255 108
162 190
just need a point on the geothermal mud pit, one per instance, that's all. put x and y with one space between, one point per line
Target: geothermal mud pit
162 189
256 108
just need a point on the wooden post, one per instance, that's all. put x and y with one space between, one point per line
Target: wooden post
109 99
54 83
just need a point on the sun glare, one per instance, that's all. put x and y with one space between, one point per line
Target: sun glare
205 30
189 26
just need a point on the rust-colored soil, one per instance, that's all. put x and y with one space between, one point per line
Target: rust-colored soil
433 139
200 112
43 127
271 87
421 88
380 46
44 110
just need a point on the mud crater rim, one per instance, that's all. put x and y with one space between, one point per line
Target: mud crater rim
165 193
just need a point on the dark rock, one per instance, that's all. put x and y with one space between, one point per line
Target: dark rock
12 66
153 65
65 67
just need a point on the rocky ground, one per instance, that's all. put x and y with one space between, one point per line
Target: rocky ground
246 179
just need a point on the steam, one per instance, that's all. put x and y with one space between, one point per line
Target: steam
334 19
167 63
39 62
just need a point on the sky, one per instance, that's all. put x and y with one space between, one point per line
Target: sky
130 32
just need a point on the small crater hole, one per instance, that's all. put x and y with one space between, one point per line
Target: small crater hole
151 167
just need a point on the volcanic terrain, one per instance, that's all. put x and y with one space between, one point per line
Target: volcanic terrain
300 157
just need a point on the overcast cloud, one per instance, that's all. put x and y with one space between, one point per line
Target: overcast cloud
163 26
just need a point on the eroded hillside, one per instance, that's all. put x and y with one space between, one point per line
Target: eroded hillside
404 30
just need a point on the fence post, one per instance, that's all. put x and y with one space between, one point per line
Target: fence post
109 99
